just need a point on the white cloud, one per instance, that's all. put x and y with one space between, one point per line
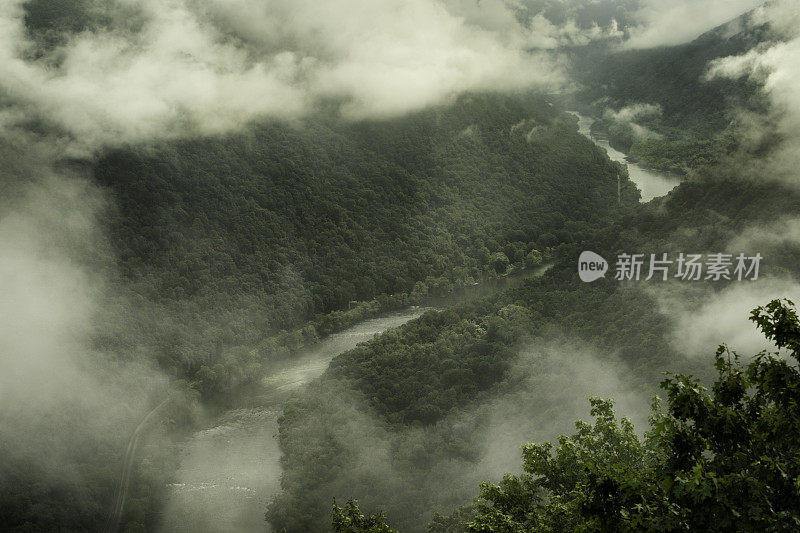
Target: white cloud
777 67
630 114
707 320
633 112
542 33
58 391
671 22
209 66
704 318
554 380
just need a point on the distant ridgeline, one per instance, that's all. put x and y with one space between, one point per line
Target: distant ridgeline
252 233
418 381
673 118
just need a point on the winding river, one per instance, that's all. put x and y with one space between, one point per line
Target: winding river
652 183
230 470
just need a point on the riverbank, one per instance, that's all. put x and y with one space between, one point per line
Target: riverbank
230 469
651 183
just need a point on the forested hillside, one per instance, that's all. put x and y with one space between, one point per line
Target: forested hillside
438 366
659 106
263 231
718 459
421 387
236 251
208 206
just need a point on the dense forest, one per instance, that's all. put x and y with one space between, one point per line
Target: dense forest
713 460
249 247
659 106
447 361
432 371
288 223
217 257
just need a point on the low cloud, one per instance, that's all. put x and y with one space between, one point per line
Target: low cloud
777 68
553 381
439 467
704 319
208 66
667 23
61 396
547 35
146 69
634 112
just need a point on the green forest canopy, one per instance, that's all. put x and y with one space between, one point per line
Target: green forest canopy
724 459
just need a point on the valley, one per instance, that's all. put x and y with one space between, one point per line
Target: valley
313 266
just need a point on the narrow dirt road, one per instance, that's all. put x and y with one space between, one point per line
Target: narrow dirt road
112 524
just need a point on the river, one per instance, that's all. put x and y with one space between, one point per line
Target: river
652 183
231 469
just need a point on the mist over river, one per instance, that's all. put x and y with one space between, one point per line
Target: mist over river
230 470
652 183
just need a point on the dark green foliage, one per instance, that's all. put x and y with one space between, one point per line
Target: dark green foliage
241 240
419 373
57 16
345 206
720 460
499 262
237 251
250 234
666 148
698 120
51 23
437 362
349 519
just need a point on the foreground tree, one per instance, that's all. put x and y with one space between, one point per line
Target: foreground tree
725 459
350 519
